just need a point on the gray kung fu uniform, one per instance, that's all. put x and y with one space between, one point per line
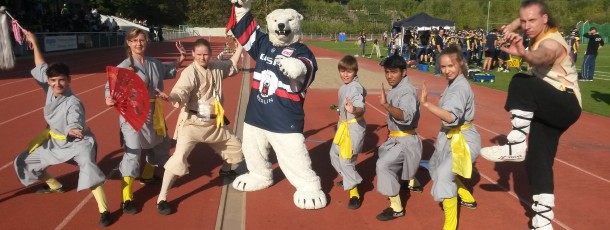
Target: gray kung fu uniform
458 99
153 72
347 167
62 114
398 153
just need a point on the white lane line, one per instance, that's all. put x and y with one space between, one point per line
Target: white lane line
555 220
6 165
16 95
27 79
20 116
80 205
93 117
582 170
556 158
13 82
25 114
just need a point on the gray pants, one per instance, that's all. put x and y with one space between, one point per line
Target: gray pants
345 167
130 164
397 153
30 169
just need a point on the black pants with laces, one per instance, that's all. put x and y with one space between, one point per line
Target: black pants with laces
554 112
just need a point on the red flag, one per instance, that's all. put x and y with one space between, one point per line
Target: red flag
232 20
130 94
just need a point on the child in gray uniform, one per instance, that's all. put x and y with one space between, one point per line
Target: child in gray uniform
458 142
403 148
66 137
351 127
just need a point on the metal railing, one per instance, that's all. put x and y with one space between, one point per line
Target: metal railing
83 40
171 34
90 40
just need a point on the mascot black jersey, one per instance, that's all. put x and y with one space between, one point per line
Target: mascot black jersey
273 106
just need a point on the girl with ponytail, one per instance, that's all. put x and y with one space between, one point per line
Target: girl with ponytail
153 135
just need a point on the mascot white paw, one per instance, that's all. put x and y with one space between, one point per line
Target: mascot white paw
250 182
291 67
310 199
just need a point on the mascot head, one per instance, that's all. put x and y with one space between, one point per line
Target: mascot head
284 27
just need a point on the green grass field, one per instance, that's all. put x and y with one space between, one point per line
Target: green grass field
595 94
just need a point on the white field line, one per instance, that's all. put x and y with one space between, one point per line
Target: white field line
80 205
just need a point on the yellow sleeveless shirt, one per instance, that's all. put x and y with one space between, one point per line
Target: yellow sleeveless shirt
552 77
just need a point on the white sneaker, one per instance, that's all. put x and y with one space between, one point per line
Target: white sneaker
510 153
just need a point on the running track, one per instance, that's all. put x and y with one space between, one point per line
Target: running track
581 171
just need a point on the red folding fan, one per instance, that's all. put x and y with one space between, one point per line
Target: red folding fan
130 94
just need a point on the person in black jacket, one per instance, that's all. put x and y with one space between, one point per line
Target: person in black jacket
588 64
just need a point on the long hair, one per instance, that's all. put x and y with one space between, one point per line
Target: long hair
131 35
455 51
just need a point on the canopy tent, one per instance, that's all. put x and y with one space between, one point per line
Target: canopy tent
423 21
419 22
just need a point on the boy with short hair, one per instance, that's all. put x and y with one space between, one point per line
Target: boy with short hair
66 137
403 148
351 127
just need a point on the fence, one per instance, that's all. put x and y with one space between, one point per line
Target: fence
602 29
67 41
348 37
182 32
57 42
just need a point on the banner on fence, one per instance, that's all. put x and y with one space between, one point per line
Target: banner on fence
62 42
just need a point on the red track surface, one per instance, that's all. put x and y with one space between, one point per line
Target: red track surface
581 169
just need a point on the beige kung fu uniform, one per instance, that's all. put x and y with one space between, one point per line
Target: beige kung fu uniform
198 83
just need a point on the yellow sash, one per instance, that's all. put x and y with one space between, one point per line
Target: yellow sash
42 137
158 120
462 164
343 139
220 113
400 133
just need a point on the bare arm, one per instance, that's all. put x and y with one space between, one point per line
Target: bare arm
182 52
514 25
546 54
38 58
444 115
237 54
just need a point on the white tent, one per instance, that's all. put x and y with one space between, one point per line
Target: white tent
124 24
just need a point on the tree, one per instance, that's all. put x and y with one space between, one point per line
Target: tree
156 12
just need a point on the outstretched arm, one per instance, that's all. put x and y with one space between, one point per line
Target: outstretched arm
237 54
546 54
38 58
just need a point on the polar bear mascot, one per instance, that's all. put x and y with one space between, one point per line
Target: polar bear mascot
275 117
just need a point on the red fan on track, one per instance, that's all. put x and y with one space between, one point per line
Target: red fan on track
130 94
